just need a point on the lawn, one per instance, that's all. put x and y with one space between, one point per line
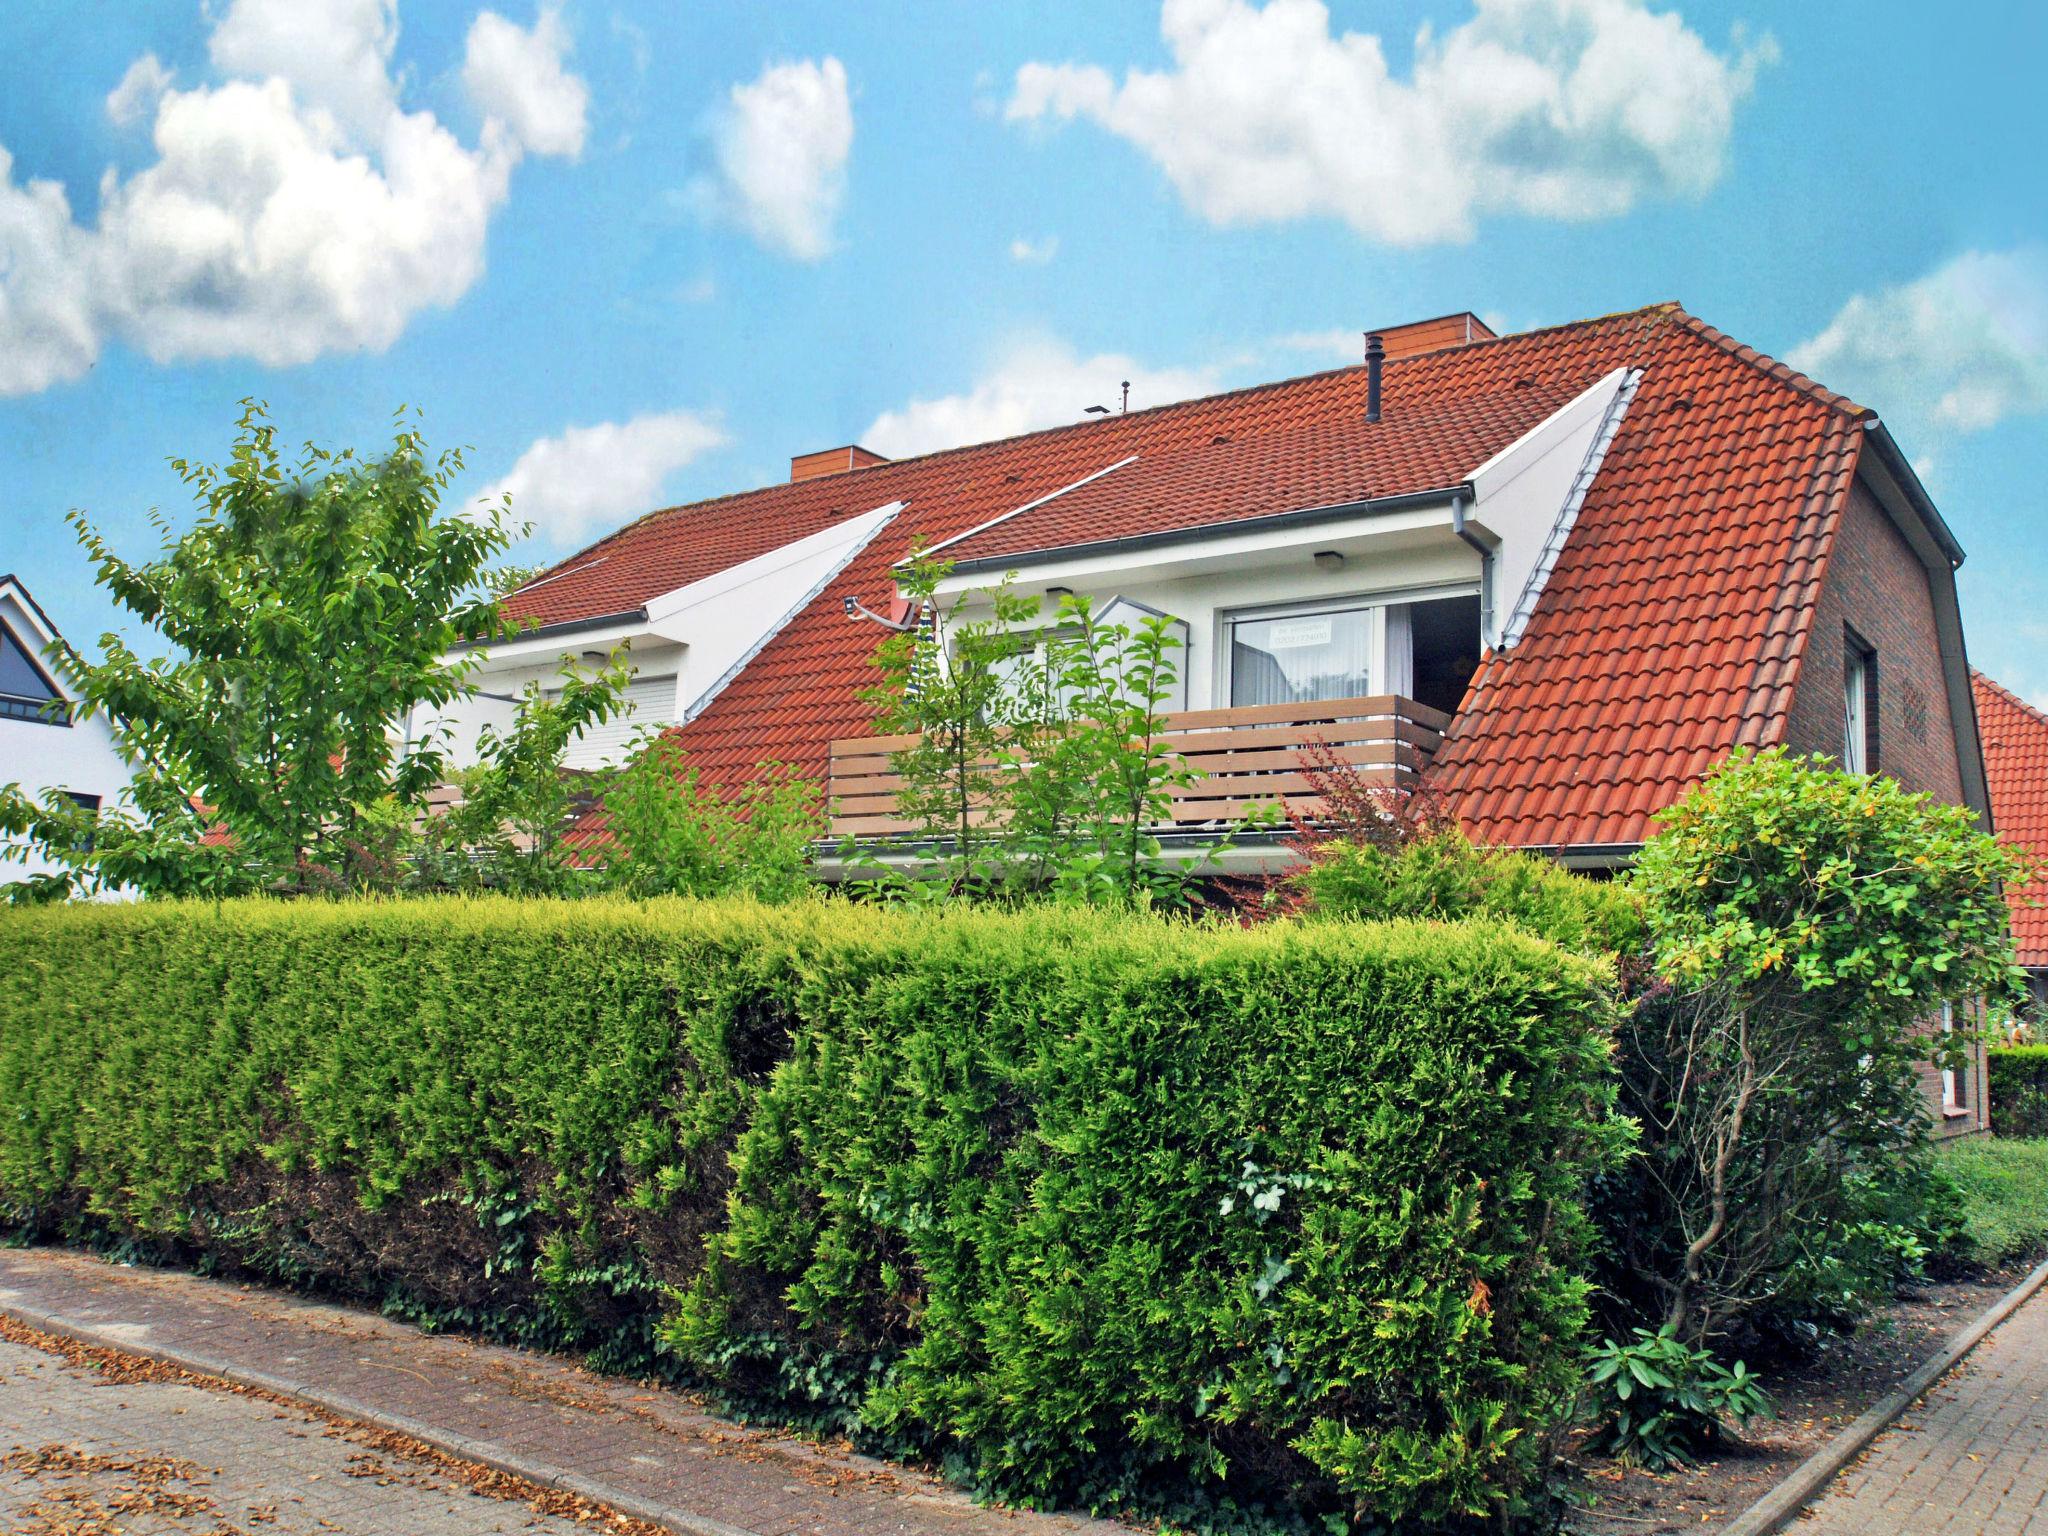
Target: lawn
2004 1181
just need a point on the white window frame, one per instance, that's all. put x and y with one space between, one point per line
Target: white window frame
1855 706
1389 655
1955 1084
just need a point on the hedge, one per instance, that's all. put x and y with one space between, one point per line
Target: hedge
2017 1076
1093 1209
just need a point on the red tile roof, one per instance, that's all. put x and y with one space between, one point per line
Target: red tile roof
1670 631
2015 736
1426 446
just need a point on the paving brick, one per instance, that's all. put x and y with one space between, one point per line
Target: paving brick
1975 1462
625 1443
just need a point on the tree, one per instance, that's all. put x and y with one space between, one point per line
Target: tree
1806 927
307 614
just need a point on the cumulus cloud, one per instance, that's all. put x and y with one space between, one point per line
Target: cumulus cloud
294 208
1034 253
1035 383
139 91
516 77
781 143
1959 349
48 328
587 479
1570 109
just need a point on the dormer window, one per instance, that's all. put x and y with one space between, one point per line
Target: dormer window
26 690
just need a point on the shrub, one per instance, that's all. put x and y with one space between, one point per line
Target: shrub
1092 1206
1660 1400
2002 1189
1443 876
2018 1080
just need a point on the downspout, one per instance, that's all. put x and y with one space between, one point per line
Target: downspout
1486 545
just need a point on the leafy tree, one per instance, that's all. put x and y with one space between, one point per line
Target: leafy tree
1807 926
307 613
667 833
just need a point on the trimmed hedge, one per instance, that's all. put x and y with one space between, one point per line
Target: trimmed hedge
1093 1208
2017 1076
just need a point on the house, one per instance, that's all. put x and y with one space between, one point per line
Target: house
1553 576
2016 764
44 743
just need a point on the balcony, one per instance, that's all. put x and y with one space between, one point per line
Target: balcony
1246 757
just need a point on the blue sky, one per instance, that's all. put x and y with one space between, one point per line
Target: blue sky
631 254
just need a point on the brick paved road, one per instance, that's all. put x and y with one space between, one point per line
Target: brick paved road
1970 1459
80 1453
647 1450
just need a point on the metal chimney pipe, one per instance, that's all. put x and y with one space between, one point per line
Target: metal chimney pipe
1375 356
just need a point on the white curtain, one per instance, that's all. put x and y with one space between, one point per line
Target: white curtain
1299 658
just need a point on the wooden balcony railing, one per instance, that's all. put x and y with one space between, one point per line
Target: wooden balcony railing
1246 757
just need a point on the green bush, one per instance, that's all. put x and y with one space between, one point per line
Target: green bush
1443 876
2003 1191
1660 1400
2018 1079
1094 1208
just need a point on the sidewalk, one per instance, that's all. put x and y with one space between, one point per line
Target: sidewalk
652 1454
1969 1459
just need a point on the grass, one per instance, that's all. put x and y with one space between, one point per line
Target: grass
2004 1182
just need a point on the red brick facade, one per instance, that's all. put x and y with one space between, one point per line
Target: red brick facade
1876 586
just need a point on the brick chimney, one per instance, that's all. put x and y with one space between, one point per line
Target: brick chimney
832 461
1431 335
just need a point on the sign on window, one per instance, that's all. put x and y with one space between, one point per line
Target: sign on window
1298 634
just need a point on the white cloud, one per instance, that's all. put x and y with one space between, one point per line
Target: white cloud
1336 346
293 209
139 91
1569 109
1959 350
335 53
1034 253
587 479
1035 383
515 76
48 329
781 144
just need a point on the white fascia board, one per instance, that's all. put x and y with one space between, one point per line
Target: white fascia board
1222 549
726 619
1528 495
980 528
524 650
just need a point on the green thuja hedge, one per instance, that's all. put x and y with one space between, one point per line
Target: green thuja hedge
1091 1208
2018 1080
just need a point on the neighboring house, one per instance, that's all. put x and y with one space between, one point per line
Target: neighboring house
1554 577
44 745
2016 762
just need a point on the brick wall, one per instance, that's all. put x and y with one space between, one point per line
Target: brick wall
1876 585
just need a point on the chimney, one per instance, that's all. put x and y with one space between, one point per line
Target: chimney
832 461
1375 355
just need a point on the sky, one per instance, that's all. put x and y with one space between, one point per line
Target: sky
631 254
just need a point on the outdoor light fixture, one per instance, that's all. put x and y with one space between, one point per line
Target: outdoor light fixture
1329 559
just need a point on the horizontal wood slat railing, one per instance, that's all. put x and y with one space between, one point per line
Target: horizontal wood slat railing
1246 757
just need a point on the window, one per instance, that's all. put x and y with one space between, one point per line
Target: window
1859 704
84 802
1297 658
1955 1081
26 692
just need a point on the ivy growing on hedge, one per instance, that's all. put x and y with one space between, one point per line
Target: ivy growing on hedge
1094 1209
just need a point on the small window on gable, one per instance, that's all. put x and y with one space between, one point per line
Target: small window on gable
26 692
1859 704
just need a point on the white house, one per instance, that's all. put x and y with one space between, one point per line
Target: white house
44 745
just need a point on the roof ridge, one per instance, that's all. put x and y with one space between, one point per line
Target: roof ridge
1771 367
1241 392
1977 675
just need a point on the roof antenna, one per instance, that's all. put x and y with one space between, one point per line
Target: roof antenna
1375 355
1127 399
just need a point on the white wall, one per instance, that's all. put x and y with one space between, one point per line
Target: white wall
38 756
1414 565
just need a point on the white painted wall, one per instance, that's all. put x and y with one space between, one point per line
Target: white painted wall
81 756
1401 567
